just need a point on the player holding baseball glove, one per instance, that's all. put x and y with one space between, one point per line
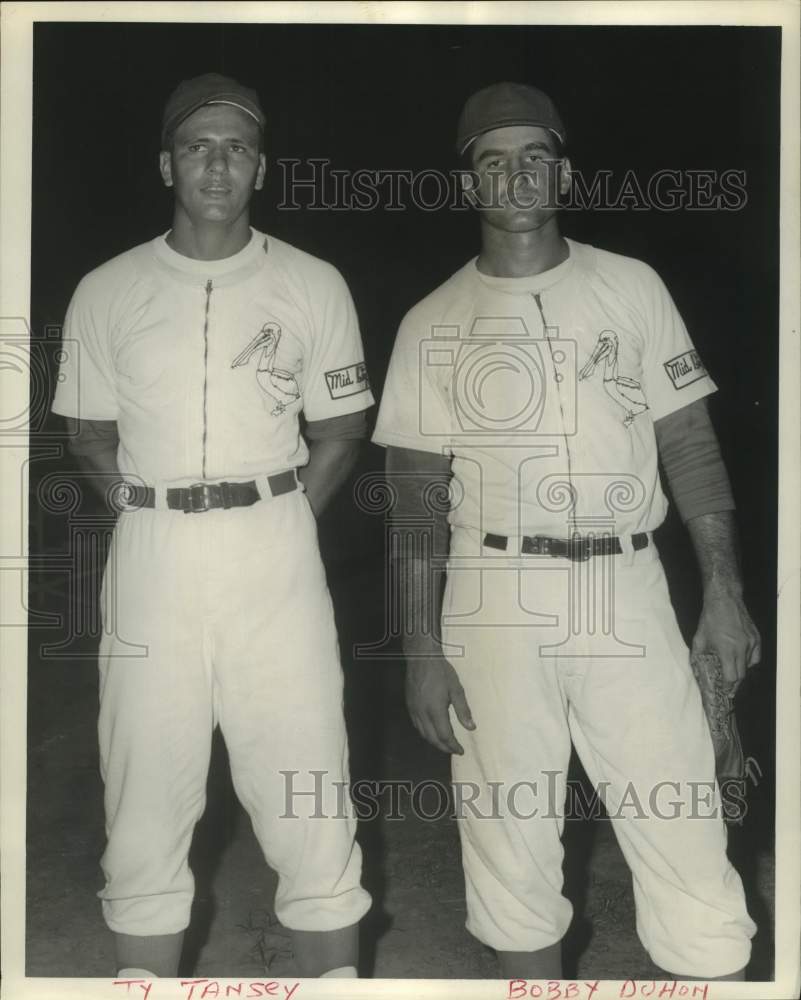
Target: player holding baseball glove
545 377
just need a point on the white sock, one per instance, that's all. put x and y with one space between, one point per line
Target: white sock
135 974
346 972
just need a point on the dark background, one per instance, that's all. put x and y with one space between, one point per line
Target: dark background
642 99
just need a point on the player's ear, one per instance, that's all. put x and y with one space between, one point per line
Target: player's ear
261 173
565 176
165 167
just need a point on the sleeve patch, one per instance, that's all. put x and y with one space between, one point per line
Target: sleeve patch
347 381
685 369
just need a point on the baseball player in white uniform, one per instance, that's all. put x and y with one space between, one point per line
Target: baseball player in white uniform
545 377
197 354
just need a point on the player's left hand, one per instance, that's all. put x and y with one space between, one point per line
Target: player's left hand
726 628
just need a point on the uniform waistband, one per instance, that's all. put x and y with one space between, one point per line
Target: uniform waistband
577 548
469 545
204 496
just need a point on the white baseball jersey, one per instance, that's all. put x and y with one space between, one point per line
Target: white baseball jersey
544 391
223 617
539 384
205 365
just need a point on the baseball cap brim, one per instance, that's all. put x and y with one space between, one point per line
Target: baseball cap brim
505 104
191 95
512 121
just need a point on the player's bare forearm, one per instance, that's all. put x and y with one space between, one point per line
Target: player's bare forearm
716 545
93 446
725 626
102 469
421 584
432 685
330 464
419 481
696 473
102 472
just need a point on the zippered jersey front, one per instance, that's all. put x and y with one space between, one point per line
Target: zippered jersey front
209 288
206 365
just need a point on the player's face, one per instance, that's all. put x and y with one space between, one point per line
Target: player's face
519 177
214 165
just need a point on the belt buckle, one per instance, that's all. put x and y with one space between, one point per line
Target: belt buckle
199 498
579 549
539 545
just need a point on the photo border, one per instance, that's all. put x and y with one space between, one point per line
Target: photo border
15 284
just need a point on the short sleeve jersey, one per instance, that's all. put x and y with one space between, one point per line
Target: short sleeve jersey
544 391
207 365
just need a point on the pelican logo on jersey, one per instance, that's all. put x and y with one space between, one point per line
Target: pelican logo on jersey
685 369
347 381
626 392
279 383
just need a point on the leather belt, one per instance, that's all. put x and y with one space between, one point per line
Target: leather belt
200 497
578 549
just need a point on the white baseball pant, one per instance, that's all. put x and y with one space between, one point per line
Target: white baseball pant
234 611
638 727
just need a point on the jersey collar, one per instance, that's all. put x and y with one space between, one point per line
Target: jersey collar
228 271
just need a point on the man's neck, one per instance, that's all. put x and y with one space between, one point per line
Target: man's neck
213 242
520 255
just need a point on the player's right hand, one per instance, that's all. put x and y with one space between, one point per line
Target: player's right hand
431 688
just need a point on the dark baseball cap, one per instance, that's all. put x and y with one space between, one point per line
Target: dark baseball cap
507 104
210 88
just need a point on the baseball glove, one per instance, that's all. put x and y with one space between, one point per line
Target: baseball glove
718 702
